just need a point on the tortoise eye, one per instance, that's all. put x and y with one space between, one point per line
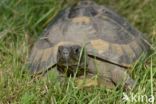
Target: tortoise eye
60 48
76 49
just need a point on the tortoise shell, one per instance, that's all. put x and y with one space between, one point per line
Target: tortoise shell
104 33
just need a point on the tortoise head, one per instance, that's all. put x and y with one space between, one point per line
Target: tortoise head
70 57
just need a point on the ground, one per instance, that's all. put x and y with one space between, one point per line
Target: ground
21 23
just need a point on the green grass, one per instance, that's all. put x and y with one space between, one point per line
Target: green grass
21 22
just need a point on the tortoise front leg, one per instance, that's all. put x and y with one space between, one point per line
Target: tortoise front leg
120 77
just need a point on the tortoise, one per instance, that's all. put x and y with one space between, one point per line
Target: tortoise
91 38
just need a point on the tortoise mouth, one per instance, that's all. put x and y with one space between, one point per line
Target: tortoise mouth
72 69
72 65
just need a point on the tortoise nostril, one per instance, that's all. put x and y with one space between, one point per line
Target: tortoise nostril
65 52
